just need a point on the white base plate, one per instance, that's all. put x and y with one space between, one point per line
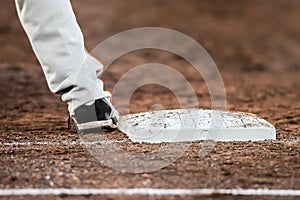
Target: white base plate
183 125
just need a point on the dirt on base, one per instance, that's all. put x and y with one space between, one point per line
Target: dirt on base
256 46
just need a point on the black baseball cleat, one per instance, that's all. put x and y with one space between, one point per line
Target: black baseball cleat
97 117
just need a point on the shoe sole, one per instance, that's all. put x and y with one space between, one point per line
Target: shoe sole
97 126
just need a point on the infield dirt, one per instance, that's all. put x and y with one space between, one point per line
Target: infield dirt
255 44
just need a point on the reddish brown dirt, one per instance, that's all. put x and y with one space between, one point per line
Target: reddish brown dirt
256 46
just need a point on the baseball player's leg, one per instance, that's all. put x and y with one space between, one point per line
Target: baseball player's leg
58 43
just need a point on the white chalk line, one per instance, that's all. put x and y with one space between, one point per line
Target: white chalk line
147 191
62 143
102 142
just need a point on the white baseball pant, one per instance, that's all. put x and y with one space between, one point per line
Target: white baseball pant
58 43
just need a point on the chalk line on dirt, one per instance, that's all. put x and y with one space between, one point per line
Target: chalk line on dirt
146 191
62 143
73 143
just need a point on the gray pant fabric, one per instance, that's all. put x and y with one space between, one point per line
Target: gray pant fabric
58 43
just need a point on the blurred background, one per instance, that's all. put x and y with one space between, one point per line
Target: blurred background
251 35
255 44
